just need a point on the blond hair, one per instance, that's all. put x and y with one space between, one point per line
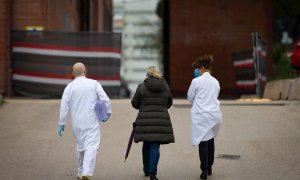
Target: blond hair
153 71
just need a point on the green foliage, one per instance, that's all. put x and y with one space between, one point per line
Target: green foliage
281 63
286 7
286 18
1 100
160 9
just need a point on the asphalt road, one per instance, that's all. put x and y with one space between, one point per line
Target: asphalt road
266 136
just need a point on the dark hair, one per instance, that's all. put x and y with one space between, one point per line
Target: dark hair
203 61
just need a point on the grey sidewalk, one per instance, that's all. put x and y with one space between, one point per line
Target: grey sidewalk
266 136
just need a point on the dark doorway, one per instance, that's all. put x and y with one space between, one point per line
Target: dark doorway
84 13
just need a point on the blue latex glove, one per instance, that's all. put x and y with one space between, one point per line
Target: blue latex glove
60 129
108 115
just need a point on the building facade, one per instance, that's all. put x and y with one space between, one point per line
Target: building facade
216 27
52 15
141 43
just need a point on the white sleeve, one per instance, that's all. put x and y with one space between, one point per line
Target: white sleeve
192 91
103 97
64 106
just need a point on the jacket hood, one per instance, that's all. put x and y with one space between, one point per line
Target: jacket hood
155 85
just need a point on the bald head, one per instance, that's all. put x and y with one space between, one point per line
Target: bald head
78 69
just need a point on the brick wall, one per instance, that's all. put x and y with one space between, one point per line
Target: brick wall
62 15
56 15
216 27
31 13
3 44
28 13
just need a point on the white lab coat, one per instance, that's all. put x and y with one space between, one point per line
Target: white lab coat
79 98
205 113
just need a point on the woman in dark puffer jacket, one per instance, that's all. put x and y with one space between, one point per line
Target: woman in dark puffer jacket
153 125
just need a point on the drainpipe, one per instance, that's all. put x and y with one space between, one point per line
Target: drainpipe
9 20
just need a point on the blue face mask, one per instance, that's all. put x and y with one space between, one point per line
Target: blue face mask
197 73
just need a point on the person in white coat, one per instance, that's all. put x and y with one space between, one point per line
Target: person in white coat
79 98
205 113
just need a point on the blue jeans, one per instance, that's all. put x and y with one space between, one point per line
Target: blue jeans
150 157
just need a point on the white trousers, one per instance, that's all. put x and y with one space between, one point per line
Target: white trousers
86 161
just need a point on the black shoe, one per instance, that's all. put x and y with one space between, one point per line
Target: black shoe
209 171
203 175
153 177
146 174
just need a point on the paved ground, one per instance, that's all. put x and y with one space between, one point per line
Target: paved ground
266 136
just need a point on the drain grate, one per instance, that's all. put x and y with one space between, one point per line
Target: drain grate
229 156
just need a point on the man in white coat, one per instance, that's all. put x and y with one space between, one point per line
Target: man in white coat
79 98
205 113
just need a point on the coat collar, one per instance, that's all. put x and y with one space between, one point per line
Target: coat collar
205 74
79 77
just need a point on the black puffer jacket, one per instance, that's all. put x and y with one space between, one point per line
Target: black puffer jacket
153 99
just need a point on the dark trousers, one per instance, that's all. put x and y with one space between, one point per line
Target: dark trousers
150 157
206 153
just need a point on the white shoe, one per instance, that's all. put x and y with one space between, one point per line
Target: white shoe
79 177
86 177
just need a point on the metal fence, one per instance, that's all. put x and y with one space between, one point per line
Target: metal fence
42 61
250 68
260 57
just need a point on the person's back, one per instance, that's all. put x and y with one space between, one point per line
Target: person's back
208 88
153 102
83 97
153 125
79 98
206 116
154 95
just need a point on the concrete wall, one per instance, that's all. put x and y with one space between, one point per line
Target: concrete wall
288 89
216 27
